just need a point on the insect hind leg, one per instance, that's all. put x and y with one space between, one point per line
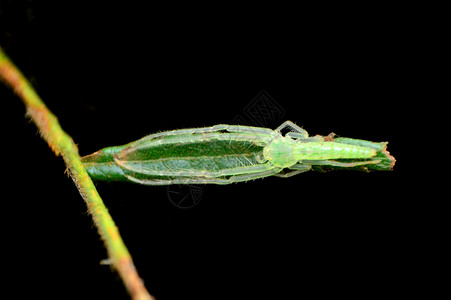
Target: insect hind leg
335 163
301 138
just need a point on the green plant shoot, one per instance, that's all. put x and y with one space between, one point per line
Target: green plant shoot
224 154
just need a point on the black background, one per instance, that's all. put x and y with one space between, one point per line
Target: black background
115 73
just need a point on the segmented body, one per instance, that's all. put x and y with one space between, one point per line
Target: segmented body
330 150
285 152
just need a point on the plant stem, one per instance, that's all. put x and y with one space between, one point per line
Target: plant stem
62 144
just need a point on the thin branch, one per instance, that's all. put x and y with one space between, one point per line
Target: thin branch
62 144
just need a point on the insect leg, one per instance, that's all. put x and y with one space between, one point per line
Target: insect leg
248 129
251 176
181 133
254 169
302 133
221 181
295 135
300 166
341 164
253 172
300 137
295 169
177 181
244 169
233 179
260 136
294 172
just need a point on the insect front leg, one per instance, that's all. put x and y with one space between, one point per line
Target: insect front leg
295 170
247 177
219 177
249 173
194 180
178 181
298 134
295 135
248 129
301 132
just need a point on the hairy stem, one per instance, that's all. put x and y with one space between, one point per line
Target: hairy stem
63 145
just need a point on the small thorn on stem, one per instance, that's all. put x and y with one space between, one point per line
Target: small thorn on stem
106 262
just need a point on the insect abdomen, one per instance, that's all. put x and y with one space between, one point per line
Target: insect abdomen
330 150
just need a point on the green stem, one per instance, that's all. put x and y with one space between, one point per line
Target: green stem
62 144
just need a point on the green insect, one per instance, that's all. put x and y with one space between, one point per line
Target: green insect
224 154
